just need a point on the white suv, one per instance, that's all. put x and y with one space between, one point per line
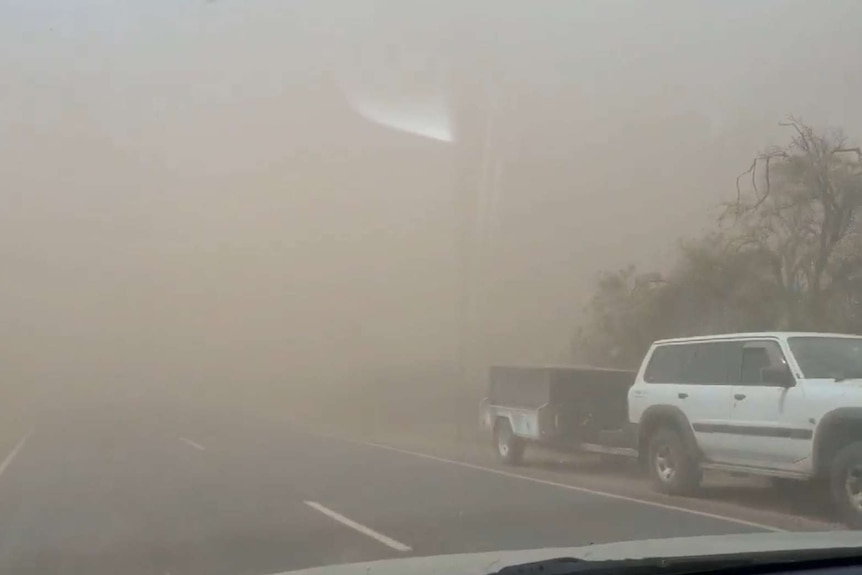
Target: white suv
787 405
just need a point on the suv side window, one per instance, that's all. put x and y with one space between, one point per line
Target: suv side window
666 363
702 363
709 364
756 355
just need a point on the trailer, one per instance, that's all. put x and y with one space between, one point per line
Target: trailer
564 408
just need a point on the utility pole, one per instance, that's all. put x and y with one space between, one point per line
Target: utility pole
478 178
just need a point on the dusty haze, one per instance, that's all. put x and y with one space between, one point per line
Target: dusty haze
210 196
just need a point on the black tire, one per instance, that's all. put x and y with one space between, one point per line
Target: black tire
509 447
845 482
672 469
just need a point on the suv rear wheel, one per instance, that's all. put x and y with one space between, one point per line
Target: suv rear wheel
673 469
845 480
510 447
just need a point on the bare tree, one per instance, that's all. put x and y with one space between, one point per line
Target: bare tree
789 257
801 212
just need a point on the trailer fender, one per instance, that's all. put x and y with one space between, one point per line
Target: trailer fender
524 423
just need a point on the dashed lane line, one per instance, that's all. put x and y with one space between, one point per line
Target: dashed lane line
388 541
194 444
18 447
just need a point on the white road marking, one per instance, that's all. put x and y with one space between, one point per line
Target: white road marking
388 541
18 447
193 443
570 487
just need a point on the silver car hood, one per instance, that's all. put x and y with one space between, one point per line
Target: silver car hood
483 563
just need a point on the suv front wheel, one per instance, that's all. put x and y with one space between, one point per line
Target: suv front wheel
845 480
672 468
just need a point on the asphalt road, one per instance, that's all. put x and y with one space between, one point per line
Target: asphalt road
137 488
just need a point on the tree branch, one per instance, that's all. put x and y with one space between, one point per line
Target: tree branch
803 134
751 170
857 151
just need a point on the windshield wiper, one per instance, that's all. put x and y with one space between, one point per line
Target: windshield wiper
842 377
754 563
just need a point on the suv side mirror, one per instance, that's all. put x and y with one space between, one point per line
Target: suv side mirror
780 376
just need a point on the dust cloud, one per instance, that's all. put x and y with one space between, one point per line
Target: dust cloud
266 202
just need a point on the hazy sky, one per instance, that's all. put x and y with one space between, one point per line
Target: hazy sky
229 190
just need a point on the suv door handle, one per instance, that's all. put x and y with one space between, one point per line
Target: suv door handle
682 395
739 396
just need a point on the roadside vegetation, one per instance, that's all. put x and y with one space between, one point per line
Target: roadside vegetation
785 254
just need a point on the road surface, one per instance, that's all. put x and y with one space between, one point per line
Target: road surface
147 488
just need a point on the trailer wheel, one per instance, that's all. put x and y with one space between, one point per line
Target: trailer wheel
672 469
845 478
510 447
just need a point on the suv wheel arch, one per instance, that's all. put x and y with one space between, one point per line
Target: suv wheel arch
658 416
837 429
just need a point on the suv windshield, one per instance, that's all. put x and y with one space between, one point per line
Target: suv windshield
828 357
